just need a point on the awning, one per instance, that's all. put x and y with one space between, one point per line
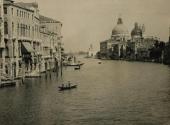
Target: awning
26 48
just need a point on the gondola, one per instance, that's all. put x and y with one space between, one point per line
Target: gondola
62 88
74 64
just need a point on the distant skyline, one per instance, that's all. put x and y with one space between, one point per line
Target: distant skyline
88 22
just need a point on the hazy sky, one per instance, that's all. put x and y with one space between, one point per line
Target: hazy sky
88 22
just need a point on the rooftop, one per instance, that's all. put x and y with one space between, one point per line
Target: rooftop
48 20
22 5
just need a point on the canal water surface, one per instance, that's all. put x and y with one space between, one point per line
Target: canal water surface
111 93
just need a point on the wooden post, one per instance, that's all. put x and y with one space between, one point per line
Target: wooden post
0 77
61 65
57 68
50 70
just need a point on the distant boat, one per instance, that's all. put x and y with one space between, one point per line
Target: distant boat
73 64
77 68
99 62
62 88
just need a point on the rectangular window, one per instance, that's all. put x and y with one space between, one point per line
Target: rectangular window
12 11
13 48
5 27
17 13
18 29
21 30
12 28
19 49
5 10
29 31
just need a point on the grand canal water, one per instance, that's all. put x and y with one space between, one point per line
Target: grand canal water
112 93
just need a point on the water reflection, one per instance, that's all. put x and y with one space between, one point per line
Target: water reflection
114 92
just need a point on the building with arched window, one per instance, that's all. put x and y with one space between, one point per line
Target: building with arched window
2 42
50 31
28 39
119 38
116 46
18 38
125 45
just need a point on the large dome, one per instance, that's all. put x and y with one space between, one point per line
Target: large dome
119 29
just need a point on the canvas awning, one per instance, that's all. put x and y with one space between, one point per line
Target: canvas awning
27 48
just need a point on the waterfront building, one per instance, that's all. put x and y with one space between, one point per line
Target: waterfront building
22 38
2 43
91 53
106 49
30 43
50 30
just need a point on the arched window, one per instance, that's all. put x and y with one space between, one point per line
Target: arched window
17 12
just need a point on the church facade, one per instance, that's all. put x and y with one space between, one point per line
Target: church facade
125 45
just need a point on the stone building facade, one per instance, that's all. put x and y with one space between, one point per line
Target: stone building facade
2 43
22 37
51 42
23 40
106 49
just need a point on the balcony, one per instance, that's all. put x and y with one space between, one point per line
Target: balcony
24 38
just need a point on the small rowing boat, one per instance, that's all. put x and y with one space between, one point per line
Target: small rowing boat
67 87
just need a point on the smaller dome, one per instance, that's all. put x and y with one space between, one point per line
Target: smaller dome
137 31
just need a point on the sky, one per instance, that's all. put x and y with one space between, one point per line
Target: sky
88 22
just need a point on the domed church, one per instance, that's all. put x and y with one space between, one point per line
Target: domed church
125 45
119 38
